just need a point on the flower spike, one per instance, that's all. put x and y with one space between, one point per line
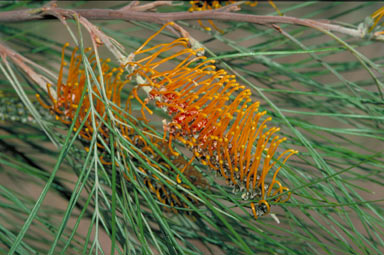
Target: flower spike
68 99
216 117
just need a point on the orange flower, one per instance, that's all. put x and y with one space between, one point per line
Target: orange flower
68 99
214 115
211 113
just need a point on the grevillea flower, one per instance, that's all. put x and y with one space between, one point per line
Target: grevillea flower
69 94
215 117
198 5
210 112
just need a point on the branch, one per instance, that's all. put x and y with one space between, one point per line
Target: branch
21 62
134 6
130 14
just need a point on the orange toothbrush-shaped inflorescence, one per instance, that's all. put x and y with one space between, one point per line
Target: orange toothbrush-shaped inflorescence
210 112
216 118
69 95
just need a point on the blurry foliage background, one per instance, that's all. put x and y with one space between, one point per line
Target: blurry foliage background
321 89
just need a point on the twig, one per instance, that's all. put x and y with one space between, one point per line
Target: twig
145 7
128 14
97 36
21 61
130 6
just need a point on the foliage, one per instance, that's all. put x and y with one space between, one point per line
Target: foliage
323 89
